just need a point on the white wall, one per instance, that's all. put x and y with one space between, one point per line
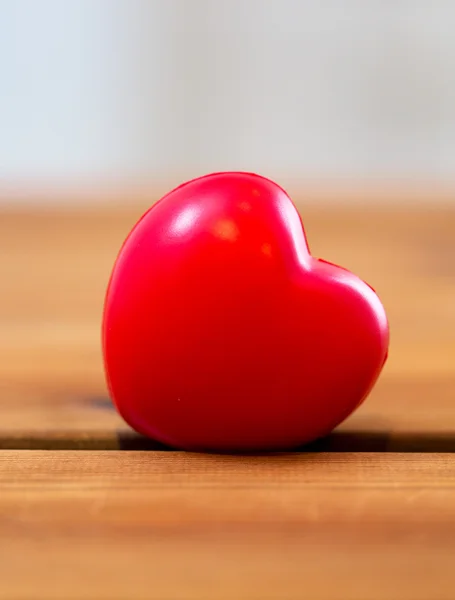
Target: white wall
102 89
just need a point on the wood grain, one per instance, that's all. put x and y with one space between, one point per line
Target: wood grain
169 525
55 266
338 525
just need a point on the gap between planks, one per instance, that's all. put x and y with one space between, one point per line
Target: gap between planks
337 442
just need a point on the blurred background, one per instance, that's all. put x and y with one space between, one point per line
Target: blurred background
108 93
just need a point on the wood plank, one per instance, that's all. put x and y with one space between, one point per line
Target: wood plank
56 265
399 416
181 526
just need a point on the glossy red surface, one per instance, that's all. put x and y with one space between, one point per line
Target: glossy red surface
222 333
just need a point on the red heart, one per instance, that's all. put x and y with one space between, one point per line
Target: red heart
222 333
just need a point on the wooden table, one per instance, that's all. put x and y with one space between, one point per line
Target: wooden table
90 510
